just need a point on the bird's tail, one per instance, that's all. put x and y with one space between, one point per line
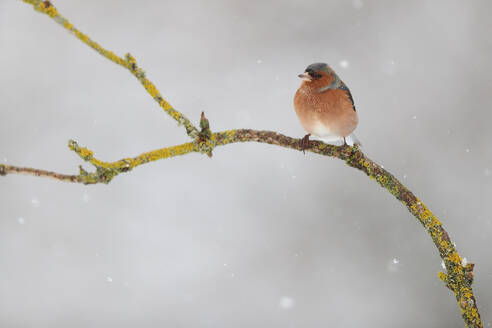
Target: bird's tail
338 141
332 140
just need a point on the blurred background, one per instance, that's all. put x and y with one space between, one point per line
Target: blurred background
257 236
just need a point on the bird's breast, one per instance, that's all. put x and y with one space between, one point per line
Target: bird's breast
330 112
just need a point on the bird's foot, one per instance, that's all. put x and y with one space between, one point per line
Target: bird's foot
305 143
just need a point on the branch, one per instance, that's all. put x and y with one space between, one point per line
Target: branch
128 62
205 143
459 274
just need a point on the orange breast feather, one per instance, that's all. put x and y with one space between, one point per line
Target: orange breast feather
327 113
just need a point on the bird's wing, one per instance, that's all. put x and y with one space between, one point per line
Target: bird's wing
346 89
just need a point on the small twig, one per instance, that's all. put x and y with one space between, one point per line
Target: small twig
10 169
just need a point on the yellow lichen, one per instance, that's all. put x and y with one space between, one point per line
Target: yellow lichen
422 212
165 105
174 114
51 11
130 59
434 222
455 258
364 163
230 133
47 8
129 163
442 276
383 180
81 36
85 153
166 152
151 89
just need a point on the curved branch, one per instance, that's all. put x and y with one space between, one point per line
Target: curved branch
459 275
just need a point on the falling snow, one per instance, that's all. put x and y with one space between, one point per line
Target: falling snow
414 117
21 220
443 265
467 150
286 302
464 262
486 172
35 202
259 61
344 63
85 197
393 265
109 279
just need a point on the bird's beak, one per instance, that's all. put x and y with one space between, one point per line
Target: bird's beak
305 76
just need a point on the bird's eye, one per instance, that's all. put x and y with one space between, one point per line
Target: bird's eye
316 75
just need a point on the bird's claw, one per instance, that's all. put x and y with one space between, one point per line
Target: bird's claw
305 143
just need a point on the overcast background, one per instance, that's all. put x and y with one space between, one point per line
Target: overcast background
257 236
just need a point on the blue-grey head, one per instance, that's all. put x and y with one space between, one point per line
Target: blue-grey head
315 71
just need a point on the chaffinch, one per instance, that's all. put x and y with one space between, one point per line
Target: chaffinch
325 107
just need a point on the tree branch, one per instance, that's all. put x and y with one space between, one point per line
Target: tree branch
128 62
459 274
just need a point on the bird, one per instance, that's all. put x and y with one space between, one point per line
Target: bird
325 107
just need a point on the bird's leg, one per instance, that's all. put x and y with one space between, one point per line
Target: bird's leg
344 142
304 143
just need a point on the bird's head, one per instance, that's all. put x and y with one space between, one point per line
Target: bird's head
316 72
320 75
